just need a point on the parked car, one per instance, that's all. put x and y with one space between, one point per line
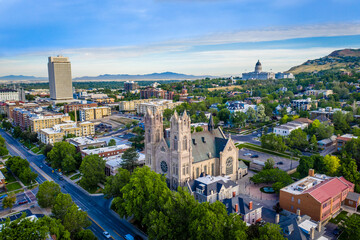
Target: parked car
107 235
247 154
61 178
24 201
280 163
254 156
336 232
3 196
41 166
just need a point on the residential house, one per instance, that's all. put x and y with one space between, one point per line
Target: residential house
342 140
250 212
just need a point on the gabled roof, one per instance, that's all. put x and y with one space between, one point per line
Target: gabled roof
353 196
329 188
243 204
211 183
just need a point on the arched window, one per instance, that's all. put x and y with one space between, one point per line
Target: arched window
229 166
158 136
175 143
185 143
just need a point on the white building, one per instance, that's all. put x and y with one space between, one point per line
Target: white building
9 95
286 129
113 163
258 74
281 75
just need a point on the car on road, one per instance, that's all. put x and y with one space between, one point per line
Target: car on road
259 135
336 232
41 166
3 196
247 154
129 237
254 156
61 178
280 163
24 201
107 235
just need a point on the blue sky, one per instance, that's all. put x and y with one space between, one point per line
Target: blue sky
217 37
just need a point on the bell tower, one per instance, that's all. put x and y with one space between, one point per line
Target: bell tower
180 149
153 135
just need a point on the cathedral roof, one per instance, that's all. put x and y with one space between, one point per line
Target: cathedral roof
258 63
207 145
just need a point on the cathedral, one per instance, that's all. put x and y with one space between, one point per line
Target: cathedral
183 156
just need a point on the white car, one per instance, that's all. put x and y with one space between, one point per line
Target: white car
247 154
107 235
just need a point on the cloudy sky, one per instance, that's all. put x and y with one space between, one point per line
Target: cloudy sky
215 37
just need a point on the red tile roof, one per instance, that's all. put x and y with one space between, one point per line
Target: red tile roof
329 189
343 138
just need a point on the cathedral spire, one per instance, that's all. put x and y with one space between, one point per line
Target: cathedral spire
211 125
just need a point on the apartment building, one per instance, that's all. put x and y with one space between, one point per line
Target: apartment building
57 132
41 122
303 104
317 195
131 106
156 105
9 107
151 92
313 92
130 86
77 106
104 100
87 114
326 112
85 142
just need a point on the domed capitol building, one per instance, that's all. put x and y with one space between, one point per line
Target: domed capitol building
258 74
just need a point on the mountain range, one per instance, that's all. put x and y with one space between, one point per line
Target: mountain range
152 76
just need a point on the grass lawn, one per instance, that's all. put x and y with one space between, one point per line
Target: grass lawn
341 216
76 176
9 178
13 186
92 190
36 150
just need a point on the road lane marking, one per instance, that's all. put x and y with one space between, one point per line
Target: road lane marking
118 234
99 225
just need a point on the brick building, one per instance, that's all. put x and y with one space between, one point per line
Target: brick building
106 151
316 195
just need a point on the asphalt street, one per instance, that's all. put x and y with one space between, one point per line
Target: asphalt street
97 207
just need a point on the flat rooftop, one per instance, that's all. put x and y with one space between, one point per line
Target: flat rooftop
304 184
211 179
106 149
84 141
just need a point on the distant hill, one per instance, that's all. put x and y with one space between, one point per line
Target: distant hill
21 77
152 76
339 59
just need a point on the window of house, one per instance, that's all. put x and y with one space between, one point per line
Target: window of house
292 207
292 199
299 201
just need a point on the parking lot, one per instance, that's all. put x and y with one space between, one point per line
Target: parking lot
286 165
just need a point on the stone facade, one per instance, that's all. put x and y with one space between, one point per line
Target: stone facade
184 156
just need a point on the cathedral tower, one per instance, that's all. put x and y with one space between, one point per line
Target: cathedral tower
154 133
180 149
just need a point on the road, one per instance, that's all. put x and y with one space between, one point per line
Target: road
247 138
97 207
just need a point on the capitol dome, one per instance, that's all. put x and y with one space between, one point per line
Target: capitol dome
258 67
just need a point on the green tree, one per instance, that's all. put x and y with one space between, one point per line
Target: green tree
348 170
270 232
284 119
9 201
47 194
273 142
114 184
146 191
269 164
238 119
75 220
130 159
112 142
199 129
277 177
61 204
332 163
260 112
128 125
86 234
3 151
62 155
351 227
305 164
353 149
298 139
93 171
251 113
224 115
313 143
17 132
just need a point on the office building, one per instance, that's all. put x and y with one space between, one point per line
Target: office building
60 81
156 105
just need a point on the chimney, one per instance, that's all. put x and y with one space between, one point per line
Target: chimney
312 233
319 226
236 208
234 194
298 212
311 172
277 218
250 205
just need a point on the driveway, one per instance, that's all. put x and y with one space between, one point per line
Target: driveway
287 164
